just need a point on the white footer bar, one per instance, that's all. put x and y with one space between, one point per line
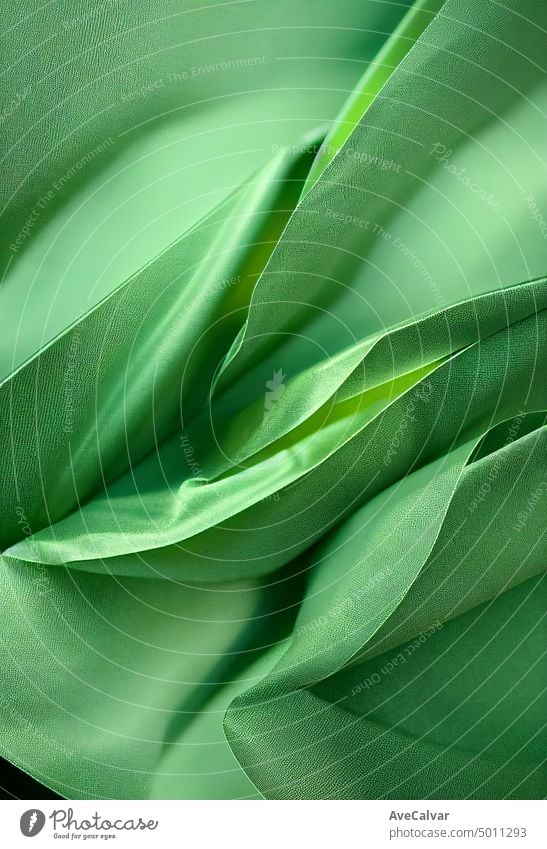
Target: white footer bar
260 825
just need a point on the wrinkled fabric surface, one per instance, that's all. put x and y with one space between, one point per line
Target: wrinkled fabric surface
273 398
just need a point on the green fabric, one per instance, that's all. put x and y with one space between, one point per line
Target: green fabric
273 399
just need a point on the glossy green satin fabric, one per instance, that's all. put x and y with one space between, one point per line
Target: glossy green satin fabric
273 399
